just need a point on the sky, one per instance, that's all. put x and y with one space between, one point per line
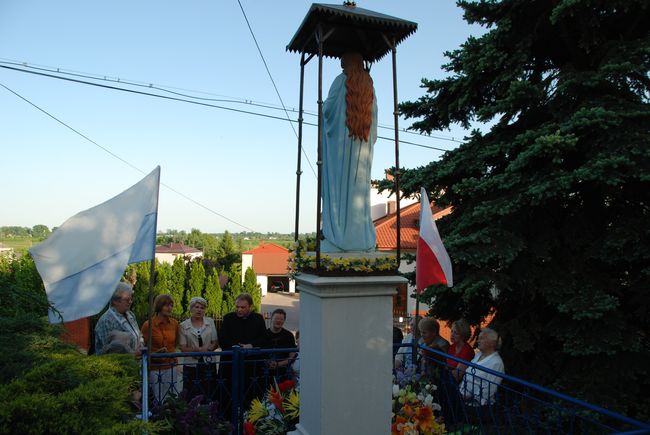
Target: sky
220 169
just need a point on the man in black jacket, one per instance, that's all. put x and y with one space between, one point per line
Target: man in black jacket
245 329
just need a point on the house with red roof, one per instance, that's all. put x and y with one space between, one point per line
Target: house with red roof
386 229
270 263
168 253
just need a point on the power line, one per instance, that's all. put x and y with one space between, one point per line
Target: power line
123 160
199 103
268 71
170 89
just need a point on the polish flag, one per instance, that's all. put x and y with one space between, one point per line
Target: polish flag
432 263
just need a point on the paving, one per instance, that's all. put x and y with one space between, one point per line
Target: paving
289 302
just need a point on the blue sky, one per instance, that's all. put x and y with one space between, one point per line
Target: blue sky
237 165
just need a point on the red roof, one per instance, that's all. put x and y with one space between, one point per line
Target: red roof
386 227
269 259
176 248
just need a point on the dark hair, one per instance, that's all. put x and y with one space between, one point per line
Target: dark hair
279 311
161 301
245 297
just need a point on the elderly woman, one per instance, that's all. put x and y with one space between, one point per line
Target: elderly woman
460 333
430 333
198 334
118 318
164 338
478 387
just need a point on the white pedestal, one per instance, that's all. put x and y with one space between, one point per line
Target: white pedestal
345 354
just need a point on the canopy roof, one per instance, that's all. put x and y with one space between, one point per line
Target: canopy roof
355 29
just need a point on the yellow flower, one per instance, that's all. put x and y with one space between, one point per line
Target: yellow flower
292 404
257 411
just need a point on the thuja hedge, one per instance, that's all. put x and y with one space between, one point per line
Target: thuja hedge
50 387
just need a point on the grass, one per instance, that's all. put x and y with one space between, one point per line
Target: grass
18 243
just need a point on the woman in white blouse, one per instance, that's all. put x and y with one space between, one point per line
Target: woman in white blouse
199 334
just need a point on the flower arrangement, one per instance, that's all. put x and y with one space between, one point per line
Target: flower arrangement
413 405
194 417
301 261
277 413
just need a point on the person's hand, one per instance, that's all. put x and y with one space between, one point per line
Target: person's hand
162 350
273 364
246 346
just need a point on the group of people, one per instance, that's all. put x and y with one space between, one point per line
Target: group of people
117 332
457 384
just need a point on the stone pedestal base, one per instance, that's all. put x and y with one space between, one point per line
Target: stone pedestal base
345 354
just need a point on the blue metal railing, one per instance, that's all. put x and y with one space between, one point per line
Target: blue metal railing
231 378
500 403
487 401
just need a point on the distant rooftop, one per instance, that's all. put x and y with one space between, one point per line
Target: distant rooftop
176 248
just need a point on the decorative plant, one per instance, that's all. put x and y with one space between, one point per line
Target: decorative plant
413 405
277 413
193 417
301 261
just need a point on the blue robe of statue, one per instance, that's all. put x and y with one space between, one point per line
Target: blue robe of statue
347 223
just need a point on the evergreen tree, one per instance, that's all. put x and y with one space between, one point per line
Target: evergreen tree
140 306
232 290
196 281
163 280
551 225
253 288
177 286
213 295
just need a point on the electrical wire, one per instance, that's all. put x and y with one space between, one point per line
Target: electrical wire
123 160
227 99
268 71
200 103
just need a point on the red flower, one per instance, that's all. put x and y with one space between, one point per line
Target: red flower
249 429
276 398
286 385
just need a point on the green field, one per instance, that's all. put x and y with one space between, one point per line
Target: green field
18 243
254 243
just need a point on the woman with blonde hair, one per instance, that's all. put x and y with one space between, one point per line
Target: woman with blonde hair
349 133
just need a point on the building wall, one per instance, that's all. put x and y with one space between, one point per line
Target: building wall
77 332
246 262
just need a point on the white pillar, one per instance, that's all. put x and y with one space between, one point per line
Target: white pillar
346 354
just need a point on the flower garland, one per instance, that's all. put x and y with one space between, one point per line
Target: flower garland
277 413
301 261
413 405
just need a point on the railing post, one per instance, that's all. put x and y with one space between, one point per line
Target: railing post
236 393
145 385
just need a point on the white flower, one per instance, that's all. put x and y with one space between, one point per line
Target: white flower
435 406
395 390
428 400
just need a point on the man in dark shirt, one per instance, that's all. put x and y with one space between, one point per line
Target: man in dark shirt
245 329
276 337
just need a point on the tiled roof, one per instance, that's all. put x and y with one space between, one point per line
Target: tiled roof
176 248
265 248
386 227
269 259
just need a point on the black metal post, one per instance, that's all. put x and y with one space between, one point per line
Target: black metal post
300 120
319 161
397 170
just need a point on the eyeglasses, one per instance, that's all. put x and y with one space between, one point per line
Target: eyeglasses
126 300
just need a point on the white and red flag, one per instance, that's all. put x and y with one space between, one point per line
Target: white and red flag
432 263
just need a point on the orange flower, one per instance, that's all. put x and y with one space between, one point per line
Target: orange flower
424 417
407 410
399 421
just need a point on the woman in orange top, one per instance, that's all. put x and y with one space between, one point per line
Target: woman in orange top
164 339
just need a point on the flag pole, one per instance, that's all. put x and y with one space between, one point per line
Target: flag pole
152 272
416 333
